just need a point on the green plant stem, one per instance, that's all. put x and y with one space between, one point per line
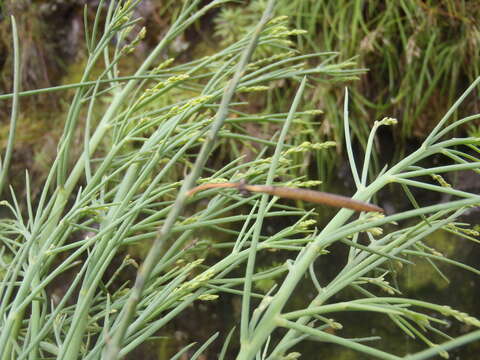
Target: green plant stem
326 337
244 333
17 75
15 323
451 344
348 143
436 132
146 269
87 84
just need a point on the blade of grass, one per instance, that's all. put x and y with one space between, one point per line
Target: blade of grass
17 74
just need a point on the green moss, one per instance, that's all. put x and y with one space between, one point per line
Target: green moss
420 276
444 242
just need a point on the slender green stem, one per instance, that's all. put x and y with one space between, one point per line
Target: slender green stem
86 84
451 344
17 76
439 169
434 134
16 323
244 333
326 337
348 142
440 189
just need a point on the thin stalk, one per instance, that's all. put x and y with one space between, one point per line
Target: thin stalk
245 335
439 169
17 75
435 350
437 188
326 337
81 84
348 143
434 134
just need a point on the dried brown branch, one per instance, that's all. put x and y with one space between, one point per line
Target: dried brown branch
317 197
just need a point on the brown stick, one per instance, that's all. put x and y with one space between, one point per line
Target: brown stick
211 186
317 197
